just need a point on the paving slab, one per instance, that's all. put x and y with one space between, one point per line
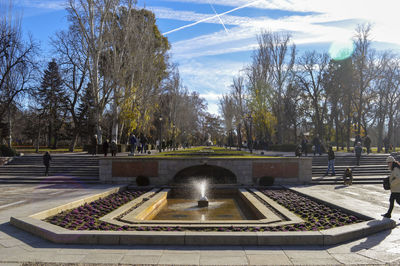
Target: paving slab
102 258
383 256
354 258
315 261
140 259
270 259
263 250
181 259
223 260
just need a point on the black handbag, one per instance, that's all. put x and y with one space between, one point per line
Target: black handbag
386 183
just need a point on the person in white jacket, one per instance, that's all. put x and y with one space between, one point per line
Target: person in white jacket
394 181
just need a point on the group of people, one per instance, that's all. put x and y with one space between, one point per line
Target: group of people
113 148
302 147
137 143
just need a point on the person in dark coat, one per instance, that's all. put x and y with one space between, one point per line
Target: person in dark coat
358 151
367 143
304 142
94 144
298 151
386 144
114 148
105 148
46 162
317 145
132 142
357 140
331 161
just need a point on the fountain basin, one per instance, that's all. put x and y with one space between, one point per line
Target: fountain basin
226 207
36 225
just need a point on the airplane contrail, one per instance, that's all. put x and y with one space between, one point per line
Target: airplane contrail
220 20
212 17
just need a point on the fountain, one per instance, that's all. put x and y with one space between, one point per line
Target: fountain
203 202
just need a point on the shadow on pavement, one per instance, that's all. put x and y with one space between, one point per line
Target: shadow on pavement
372 240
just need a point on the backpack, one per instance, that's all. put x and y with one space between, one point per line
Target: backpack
386 183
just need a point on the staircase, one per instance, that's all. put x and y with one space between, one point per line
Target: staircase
64 168
372 169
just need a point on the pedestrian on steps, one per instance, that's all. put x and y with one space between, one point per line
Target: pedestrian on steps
105 147
114 148
331 161
46 162
394 180
358 151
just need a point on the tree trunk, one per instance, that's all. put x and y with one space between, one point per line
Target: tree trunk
74 140
239 133
348 129
9 127
114 132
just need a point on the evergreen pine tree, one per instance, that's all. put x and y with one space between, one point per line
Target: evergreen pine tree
51 99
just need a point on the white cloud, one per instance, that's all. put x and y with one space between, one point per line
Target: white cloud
168 13
42 4
210 77
381 15
211 96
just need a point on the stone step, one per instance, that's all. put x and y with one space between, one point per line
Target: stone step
81 167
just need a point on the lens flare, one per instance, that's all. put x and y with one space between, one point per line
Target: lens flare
340 50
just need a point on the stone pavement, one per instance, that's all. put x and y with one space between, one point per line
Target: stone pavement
18 247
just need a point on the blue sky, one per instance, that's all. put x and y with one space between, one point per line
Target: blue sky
211 52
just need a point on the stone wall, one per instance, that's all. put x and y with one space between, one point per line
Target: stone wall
285 170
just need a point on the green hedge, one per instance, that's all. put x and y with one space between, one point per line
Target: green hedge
282 147
6 151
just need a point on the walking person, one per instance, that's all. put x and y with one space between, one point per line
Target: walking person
304 142
386 144
394 180
367 143
132 142
358 151
94 144
357 139
297 152
317 144
105 147
331 161
113 148
46 162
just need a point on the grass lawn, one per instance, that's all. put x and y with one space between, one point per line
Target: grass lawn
44 149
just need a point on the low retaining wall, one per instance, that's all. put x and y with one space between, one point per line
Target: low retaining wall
248 171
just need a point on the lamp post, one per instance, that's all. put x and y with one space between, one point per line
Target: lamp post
184 139
160 143
173 136
250 140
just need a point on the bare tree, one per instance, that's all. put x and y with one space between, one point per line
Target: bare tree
17 64
227 107
365 71
73 64
89 18
272 66
312 67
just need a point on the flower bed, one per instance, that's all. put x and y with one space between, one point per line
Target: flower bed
317 216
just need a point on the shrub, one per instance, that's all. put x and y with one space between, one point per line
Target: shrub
6 151
266 181
282 147
142 180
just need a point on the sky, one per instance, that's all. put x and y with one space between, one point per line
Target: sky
213 40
